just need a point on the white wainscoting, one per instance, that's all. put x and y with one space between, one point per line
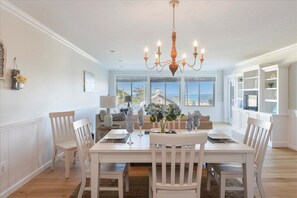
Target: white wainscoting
27 146
292 135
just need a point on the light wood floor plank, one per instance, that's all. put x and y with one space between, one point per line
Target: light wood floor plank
279 178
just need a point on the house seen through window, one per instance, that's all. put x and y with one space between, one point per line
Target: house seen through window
165 90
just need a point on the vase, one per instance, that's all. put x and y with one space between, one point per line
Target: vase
20 85
163 123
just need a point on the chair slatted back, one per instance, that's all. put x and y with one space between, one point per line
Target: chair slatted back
62 126
84 141
257 136
179 151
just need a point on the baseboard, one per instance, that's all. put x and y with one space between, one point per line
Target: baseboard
26 179
278 144
23 181
292 147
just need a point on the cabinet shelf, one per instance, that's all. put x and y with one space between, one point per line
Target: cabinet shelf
250 89
269 79
270 100
253 77
272 88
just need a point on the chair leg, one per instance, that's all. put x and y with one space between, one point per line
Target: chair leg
74 157
121 187
126 182
82 186
222 186
150 187
209 177
260 186
67 163
54 158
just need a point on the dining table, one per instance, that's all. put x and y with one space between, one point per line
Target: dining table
140 152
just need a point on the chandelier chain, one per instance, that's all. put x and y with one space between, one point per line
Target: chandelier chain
173 18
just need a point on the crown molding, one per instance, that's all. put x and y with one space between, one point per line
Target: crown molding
278 52
11 8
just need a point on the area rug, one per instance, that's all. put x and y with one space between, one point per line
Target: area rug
139 189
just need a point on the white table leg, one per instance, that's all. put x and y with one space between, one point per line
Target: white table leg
248 169
95 167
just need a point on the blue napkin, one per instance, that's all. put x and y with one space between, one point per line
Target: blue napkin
140 117
129 120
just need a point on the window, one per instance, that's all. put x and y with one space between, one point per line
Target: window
165 90
199 91
131 86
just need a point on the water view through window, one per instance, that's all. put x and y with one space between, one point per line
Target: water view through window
166 90
199 92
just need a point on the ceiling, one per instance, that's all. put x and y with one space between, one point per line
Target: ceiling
230 31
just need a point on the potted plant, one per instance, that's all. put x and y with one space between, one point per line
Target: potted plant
163 113
270 84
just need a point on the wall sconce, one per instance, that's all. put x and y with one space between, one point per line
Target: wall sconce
18 80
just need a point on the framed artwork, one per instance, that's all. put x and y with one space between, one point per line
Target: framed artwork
89 82
2 60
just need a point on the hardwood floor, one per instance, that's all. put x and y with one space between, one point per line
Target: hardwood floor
279 177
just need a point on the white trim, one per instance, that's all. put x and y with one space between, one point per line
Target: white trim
292 147
270 54
278 144
292 112
19 124
11 8
24 180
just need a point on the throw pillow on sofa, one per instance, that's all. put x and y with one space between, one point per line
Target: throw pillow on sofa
118 116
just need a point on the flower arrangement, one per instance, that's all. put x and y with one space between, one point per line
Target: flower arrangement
21 78
163 113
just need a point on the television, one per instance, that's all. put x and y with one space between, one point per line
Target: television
251 101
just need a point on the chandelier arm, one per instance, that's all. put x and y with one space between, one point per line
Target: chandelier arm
147 66
161 68
181 68
192 66
165 63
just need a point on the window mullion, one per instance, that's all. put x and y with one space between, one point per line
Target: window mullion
199 94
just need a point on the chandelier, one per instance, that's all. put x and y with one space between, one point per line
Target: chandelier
173 63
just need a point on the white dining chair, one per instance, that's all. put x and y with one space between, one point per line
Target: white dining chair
177 176
114 171
63 138
256 136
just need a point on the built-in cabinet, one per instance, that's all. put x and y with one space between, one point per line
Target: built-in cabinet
274 90
268 85
239 92
280 128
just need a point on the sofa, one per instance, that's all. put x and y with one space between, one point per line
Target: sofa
180 123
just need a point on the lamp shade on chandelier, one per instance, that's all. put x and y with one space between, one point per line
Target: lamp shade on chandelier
174 64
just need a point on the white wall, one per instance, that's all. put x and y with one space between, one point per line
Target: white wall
55 83
215 113
293 86
292 136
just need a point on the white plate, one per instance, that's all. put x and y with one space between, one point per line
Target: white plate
114 136
218 136
156 130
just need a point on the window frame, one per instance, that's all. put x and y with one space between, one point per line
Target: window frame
199 80
167 80
130 80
